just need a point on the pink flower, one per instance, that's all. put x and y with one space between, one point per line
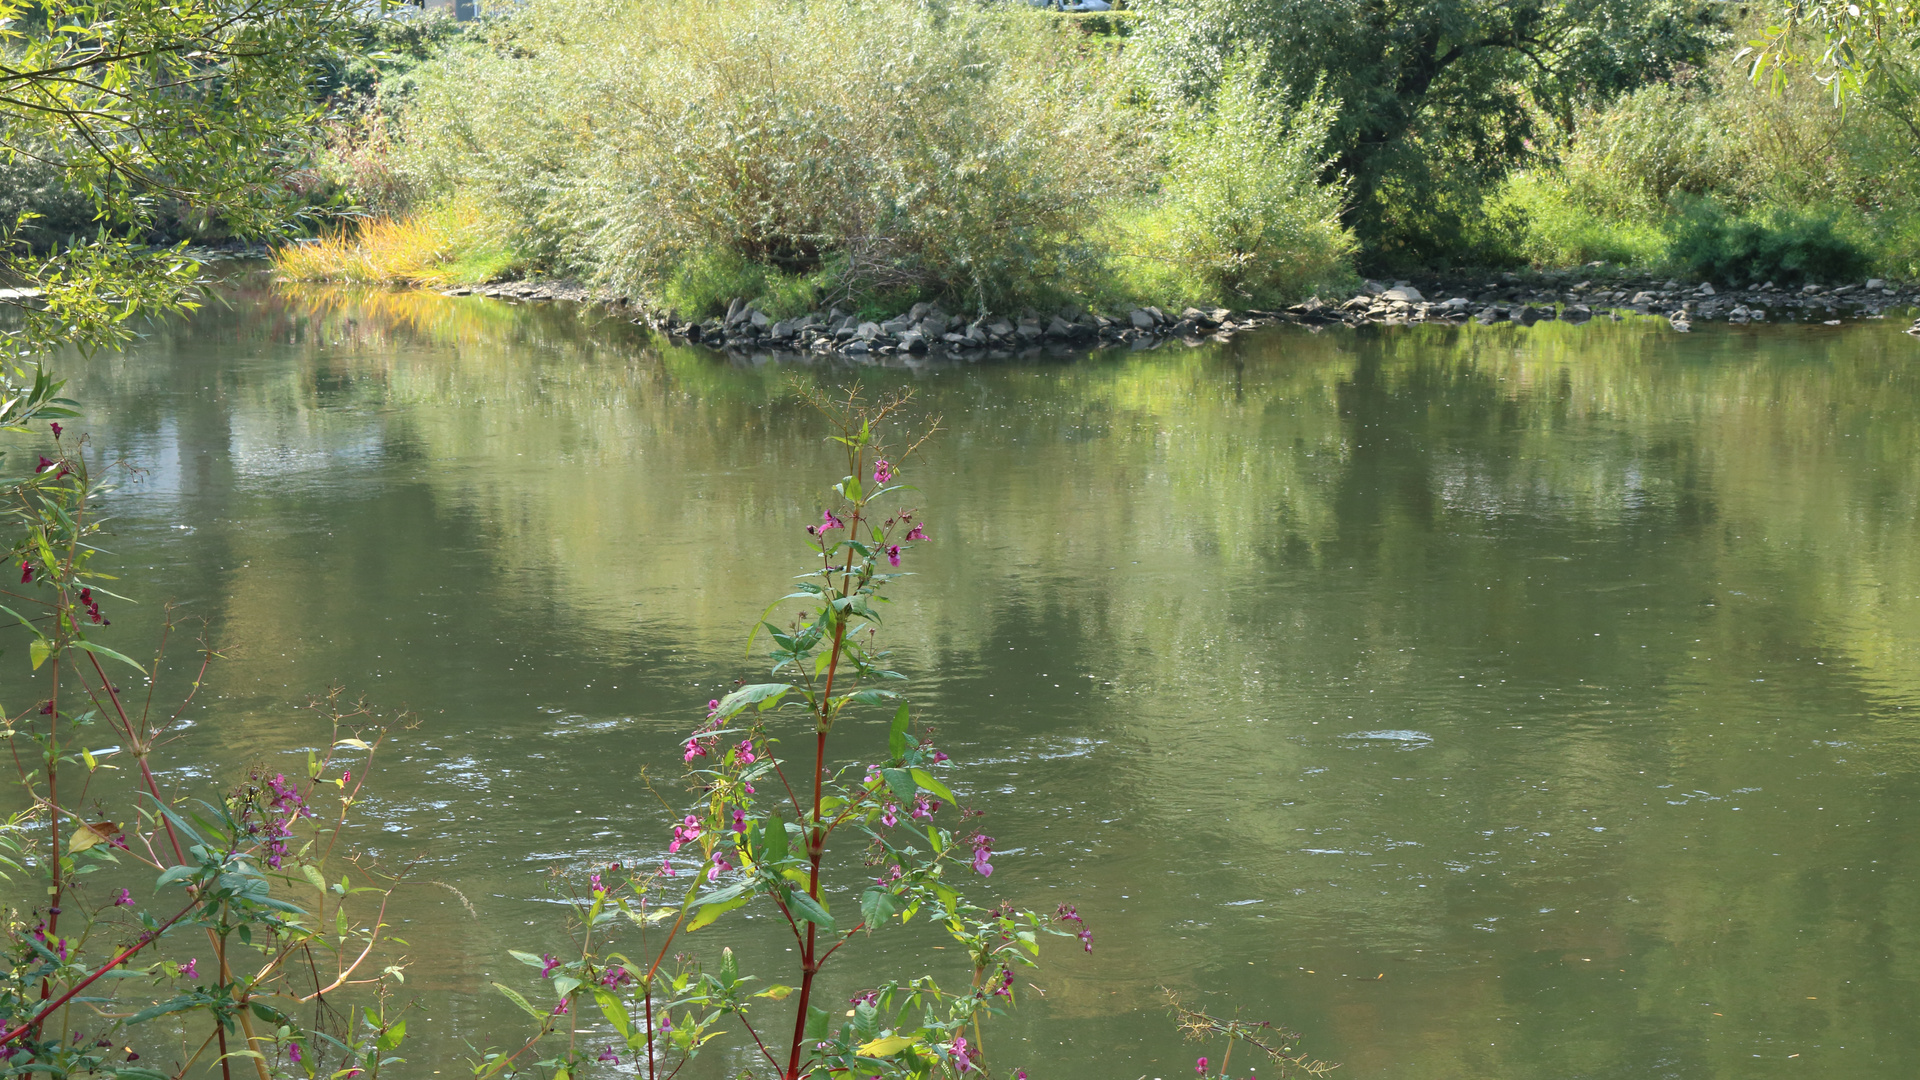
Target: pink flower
893 554
744 752
1200 1066
982 851
191 969
560 1009
56 428
924 807
125 899
607 1055
615 977
346 776
890 815
43 466
293 1053
917 533
1005 989
828 522
666 869
739 821
720 866
962 1060
684 833
882 471
546 972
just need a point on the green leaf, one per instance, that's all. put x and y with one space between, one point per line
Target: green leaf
807 909
102 650
183 1003
776 841
175 873
710 912
925 780
766 695
38 650
897 738
527 958
615 1011
514 996
901 783
564 985
876 907
885 1047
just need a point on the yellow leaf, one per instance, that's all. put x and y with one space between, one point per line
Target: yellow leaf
886 1047
86 836
777 993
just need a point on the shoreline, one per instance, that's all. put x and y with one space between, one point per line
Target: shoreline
926 328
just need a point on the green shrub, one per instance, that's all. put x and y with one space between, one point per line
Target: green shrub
1782 247
1242 216
870 147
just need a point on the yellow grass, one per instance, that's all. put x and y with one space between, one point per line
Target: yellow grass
443 246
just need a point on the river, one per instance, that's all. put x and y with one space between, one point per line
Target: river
1478 702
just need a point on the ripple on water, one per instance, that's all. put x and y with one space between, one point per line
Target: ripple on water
1406 740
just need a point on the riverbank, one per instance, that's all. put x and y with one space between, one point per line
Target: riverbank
1509 298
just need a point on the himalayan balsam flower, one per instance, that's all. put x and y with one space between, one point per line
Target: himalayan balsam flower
917 533
666 869
1019 1074
982 851
744 752
739 821
607 1055
962 1060
560 1009
191 969
56 428
125 899
26 574
1200 1066
828 523
890 815
893 554
882 471
546 970
720 866
615 977
293 1053
684 833
594 883
43 466
1005 989
924 807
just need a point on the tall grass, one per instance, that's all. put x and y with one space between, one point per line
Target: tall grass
449 245
1243 216
860 147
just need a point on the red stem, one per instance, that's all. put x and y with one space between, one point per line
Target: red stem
48 1008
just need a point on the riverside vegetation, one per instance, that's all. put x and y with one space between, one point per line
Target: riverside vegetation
992 159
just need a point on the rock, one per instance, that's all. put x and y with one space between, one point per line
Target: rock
913 341
1141 320
1525 316
1643 298
1876 283
867 331
759 320
1374 288
1060 328
1457 303
1029 330
1706 289
1405 293
1000 328
1158 315
733 311
1576 313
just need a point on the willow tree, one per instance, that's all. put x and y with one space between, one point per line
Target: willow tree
1438 98
144 107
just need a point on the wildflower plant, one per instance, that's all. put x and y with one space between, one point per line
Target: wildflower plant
166 935
835 848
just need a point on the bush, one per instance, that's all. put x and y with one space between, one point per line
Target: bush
908 148
1782 247
1242 215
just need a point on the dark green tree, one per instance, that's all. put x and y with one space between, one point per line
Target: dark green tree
1438 98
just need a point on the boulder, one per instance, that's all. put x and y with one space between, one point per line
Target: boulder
1141 320
1405 293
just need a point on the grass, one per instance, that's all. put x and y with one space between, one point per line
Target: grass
447 245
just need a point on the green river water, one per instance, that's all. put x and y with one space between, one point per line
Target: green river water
1480 702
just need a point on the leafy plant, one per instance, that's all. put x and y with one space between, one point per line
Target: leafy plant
95 972
1782 247
789 833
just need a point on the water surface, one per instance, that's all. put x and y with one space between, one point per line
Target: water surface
1479 701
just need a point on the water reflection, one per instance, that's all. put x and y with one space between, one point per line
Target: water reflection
1480 701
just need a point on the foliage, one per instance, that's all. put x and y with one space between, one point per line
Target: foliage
1782 247
141 106
1438 98
98 980
1242 216
888 832
1261 1037
449 244
930 149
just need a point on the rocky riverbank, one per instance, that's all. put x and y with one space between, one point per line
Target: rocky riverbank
927 328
